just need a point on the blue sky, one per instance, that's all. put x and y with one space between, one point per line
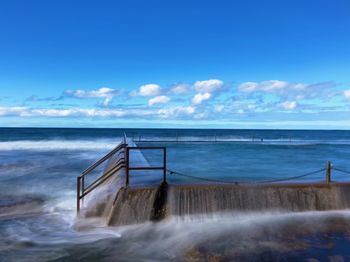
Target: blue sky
223 64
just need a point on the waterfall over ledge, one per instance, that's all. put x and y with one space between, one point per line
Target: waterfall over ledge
136 205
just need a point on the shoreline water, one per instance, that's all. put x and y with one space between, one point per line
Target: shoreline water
45 168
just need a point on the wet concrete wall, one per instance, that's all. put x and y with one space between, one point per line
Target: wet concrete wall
136 205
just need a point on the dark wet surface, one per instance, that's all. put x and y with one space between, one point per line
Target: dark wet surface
294 241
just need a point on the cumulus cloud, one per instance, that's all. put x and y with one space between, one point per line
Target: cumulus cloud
103 92
347 94
172 112
288 105
180 89
208 86
285 91
175 112
248 87
147 90
158 100
48 112
35 98
266 86
219 108
13 111
199 98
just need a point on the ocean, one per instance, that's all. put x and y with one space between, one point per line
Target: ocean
39 166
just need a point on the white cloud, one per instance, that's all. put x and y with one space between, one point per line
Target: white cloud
158 100
298 87
347 94
219 108
288 105
147 90
208 86
285 91
179 89
76 112
266 86
103 92
70 112
251 106
248 87
199 98
174 112
272 85
9 111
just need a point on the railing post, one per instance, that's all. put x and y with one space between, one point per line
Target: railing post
164 164
82 189
127 166
78 194
124 138
328 172
82 184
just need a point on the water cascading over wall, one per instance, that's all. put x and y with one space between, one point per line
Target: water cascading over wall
187 200
119 205
139 205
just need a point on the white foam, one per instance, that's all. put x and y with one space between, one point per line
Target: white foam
48 145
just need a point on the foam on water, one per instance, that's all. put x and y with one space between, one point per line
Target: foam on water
44 164
49 145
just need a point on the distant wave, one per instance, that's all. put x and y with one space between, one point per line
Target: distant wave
107 144
43 145
241 140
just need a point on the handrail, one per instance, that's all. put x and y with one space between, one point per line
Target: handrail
120 161
125 138
101 160
128 167
82 191
102 179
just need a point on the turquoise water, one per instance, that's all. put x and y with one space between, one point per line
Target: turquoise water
38 169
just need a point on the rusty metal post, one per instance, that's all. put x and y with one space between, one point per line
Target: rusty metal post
78 194
164 165
127 166
328 172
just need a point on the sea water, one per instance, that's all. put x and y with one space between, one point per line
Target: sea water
38 169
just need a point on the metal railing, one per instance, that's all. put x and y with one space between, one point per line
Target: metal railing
122 162
328 171
128 167
175 138
82 189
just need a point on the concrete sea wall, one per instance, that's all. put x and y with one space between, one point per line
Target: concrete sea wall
136 205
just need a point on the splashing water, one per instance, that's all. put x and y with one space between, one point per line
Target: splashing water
37 204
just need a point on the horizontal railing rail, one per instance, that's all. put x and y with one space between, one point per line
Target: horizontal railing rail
82 189
128 167
103 159
102 179
121 161
215 138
